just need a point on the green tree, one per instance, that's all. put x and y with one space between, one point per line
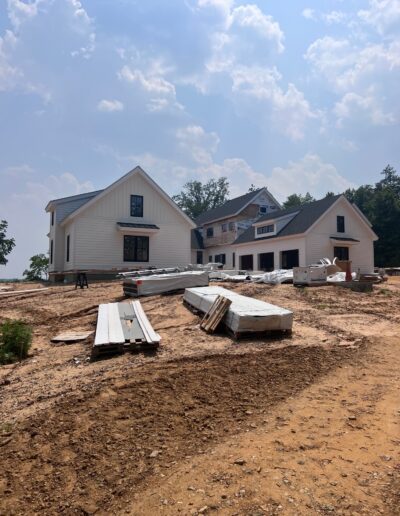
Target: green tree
295 200
38 268
197 197
329 194
252 188
6 244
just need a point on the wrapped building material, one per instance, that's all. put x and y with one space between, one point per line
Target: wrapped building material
245 315
275 277
162 283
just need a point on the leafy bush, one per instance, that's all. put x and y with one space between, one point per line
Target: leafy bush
15 341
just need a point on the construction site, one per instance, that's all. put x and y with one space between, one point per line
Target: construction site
202 416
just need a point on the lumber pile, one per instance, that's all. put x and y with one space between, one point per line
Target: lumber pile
245 316
215 314
164 283
123 327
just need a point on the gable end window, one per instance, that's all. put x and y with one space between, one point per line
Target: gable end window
136 248
67 248
210 232
265 229
136 205
262 209
340 224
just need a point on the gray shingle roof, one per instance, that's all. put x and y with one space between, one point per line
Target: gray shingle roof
66 205
226 210
305 218
196 240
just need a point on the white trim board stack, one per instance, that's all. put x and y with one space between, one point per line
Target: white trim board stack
121 327
245 315
163 283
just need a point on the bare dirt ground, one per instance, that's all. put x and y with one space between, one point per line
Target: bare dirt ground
302 425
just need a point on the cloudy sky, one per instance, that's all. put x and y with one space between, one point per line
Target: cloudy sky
296 96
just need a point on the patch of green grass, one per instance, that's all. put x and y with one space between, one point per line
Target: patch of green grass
15 341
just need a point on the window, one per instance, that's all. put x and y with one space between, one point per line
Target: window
289 259
52 218
220 258
262 209
51 251
341 253
210 259
224 228
232 226
67 248
210 232
265 229
136 248
199 257
340 224
136 205
233 260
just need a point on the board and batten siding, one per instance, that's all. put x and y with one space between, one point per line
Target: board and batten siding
319 245
98 243
275 246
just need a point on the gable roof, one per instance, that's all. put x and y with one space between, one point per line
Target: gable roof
307 215
66 205
231 207
99 194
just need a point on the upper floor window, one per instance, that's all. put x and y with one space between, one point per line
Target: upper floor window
136 205
232 226
340 224
265 229
210 232
52 218
262 209
224 228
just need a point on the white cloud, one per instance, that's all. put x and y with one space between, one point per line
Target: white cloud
251 16
309 14
9 73
222 5
334 17
197 144
290 109
150 82
19 11
18 170
108 106
382 15
354 106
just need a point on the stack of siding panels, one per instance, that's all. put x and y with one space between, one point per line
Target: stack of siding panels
163 283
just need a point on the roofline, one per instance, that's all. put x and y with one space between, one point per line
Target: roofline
357 212
63 200
259 223
119 181
242 208
272 238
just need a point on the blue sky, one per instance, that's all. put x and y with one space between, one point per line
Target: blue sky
296 96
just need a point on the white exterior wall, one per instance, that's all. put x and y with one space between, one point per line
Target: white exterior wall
97 243
319 245
69 230
56 234
275 246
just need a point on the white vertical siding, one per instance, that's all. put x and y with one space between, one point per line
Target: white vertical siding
98 243
319 244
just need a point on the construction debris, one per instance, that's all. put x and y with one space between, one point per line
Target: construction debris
215 314
27 291
276 277
123 327
245 315
164 283
148 272
71 336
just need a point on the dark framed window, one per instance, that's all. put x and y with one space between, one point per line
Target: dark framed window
51 251
136 248
210 232
52 218
233 259
67 248
210 259
340 224
266 229
224 228
231 226
136 205
263 209
220 258
199 257
341 253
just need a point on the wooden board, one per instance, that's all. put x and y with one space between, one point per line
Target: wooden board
115 332
102 326
215 314
150 335
27 291
72 336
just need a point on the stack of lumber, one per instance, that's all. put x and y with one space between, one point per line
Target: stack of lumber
215 314
245 315
163 283
121 327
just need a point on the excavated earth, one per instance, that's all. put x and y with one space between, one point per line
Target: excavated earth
307 424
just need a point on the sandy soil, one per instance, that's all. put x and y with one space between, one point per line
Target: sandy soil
302 425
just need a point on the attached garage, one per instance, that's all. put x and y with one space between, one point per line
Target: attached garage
266 262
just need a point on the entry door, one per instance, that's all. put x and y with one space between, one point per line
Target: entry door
290 259
246 262
266 262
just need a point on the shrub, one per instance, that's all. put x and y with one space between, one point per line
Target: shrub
15 341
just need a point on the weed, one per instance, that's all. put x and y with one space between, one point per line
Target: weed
15 341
